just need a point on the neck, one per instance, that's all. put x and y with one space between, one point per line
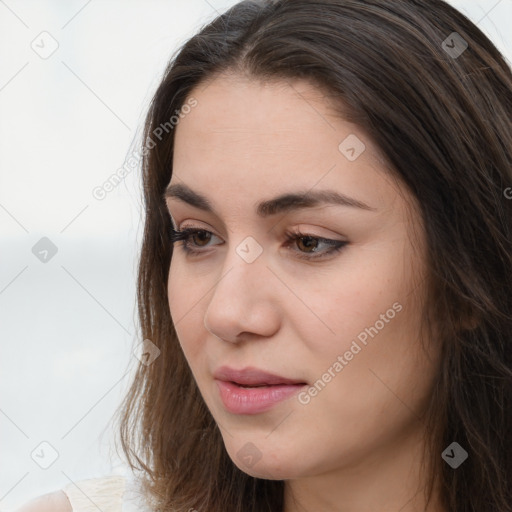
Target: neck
389 479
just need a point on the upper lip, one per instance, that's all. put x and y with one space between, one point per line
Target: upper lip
251 376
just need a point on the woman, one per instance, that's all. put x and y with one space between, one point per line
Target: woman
325 278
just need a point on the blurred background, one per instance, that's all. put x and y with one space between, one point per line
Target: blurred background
76 78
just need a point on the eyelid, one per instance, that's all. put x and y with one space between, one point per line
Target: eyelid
300 229
195 227
334 246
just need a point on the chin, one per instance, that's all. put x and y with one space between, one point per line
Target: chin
266 463
267 471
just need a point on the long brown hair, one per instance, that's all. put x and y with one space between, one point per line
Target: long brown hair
440 112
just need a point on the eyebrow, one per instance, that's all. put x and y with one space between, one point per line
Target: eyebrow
281 204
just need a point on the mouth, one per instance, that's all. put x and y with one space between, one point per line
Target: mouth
253 391
248 386
255 386
251 377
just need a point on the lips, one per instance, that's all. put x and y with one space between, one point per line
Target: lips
252 377
253 391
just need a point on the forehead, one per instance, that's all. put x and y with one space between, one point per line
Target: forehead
250 137
247 111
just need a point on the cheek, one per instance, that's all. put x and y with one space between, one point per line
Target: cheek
181 299
374 309
174 291
182 288
186 307
340 303
369 313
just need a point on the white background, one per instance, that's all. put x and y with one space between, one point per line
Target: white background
67 326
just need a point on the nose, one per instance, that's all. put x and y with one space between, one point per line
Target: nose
245 301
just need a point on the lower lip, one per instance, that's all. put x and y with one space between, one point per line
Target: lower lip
240 400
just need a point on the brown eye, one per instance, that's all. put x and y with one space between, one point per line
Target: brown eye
202 236
307 246
308 243
193 239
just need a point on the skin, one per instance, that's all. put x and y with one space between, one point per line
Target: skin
52 502
355 446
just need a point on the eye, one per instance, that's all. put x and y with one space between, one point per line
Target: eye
201 237
312 243
307 244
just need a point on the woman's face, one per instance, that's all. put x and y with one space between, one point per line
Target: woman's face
343 323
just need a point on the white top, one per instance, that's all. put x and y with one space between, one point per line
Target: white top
112 493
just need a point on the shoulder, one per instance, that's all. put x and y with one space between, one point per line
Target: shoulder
87 495
52 502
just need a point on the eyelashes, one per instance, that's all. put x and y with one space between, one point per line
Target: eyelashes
192 249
